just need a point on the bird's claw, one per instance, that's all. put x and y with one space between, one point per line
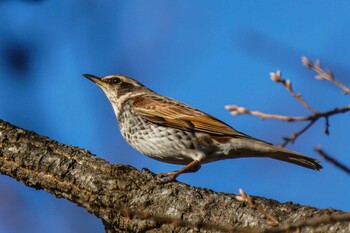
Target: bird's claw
167 177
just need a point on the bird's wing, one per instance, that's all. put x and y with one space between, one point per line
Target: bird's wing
168 112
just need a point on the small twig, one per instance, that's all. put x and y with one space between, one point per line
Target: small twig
322 74
243 197
315 116
295 135
332 160
326 129
237 110
276 77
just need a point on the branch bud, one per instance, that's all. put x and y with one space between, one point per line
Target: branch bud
306 62
288 84
276 77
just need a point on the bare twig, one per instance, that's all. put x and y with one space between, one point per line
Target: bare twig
315 116
276 77
237 110
322 74
295 135
243 197
332 160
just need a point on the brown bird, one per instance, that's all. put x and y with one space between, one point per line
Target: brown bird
170 131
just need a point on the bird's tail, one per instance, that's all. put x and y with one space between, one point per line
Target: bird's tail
296 158
254 148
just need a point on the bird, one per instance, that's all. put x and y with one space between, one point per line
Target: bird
170 131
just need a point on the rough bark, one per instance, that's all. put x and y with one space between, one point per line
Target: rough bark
126 199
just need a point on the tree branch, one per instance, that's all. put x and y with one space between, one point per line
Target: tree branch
129 200
315 115
332 160
322 74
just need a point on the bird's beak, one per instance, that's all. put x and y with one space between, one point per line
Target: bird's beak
93 78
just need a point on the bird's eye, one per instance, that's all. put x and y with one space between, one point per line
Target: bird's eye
113 80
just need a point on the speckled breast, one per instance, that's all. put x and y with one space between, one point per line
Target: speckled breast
157 141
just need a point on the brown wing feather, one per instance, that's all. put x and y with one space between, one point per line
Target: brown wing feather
174 114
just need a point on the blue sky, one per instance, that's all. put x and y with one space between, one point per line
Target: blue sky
205 53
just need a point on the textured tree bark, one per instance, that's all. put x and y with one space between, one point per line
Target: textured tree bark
126 199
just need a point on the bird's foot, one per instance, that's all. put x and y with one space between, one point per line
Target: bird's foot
168 177
171 176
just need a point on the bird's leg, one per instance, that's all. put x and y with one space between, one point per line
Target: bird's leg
171 176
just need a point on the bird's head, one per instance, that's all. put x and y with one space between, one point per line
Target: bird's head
116 85
118 88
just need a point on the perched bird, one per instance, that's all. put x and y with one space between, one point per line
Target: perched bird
170 131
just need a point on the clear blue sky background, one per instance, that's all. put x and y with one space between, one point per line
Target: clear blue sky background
204 53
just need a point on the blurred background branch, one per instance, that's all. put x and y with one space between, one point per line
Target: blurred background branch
332 160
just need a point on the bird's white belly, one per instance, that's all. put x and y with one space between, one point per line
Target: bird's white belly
159 142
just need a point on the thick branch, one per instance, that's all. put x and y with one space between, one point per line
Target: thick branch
107 191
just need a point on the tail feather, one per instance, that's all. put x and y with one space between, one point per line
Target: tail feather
295 158
255 148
